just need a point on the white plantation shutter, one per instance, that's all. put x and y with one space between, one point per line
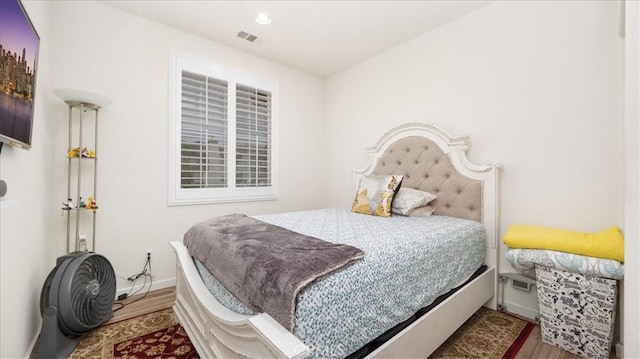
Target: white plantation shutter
253 137
204 132
222 136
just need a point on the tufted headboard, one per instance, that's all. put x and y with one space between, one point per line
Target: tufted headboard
432 161
426 167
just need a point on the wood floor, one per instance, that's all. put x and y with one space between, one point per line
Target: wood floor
136 305
164 298
535 348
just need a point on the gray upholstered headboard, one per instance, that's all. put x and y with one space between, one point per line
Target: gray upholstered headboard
431 160
426 167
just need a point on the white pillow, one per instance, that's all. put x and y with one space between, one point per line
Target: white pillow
408 199
422 211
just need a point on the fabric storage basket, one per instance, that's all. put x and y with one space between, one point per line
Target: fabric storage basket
577 313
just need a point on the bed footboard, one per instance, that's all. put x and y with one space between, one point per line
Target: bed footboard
217 332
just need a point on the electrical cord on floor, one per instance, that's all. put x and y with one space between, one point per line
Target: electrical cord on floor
146 272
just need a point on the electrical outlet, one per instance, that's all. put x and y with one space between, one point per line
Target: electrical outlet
82 239
148 263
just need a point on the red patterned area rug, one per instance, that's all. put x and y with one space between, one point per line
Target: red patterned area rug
153 335
487 334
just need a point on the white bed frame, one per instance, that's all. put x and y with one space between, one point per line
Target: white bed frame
217 332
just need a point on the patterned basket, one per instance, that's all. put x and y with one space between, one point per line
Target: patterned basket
577 313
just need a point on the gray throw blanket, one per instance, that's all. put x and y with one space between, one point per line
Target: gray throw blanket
263 265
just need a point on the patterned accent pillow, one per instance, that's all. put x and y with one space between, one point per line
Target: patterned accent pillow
408 199
375 195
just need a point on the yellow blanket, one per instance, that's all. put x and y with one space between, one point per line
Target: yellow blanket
607 244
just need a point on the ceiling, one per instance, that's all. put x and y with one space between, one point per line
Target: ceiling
318 37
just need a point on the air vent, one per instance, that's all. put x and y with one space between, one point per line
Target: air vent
249 37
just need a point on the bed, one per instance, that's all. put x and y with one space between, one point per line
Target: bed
430 160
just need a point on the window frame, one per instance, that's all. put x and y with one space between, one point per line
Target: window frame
190 196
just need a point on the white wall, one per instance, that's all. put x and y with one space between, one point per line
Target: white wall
24 215
536 86
126 58
632 194
93 47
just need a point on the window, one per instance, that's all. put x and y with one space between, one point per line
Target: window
222 135
253 131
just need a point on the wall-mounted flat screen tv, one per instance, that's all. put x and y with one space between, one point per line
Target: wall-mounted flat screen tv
19 43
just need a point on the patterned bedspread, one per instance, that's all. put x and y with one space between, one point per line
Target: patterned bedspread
409 261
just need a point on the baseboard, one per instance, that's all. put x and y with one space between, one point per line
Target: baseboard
30 350
619 348
521 310
154 286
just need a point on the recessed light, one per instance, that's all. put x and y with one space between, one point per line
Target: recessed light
263 19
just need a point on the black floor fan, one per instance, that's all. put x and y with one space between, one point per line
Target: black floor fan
76 297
